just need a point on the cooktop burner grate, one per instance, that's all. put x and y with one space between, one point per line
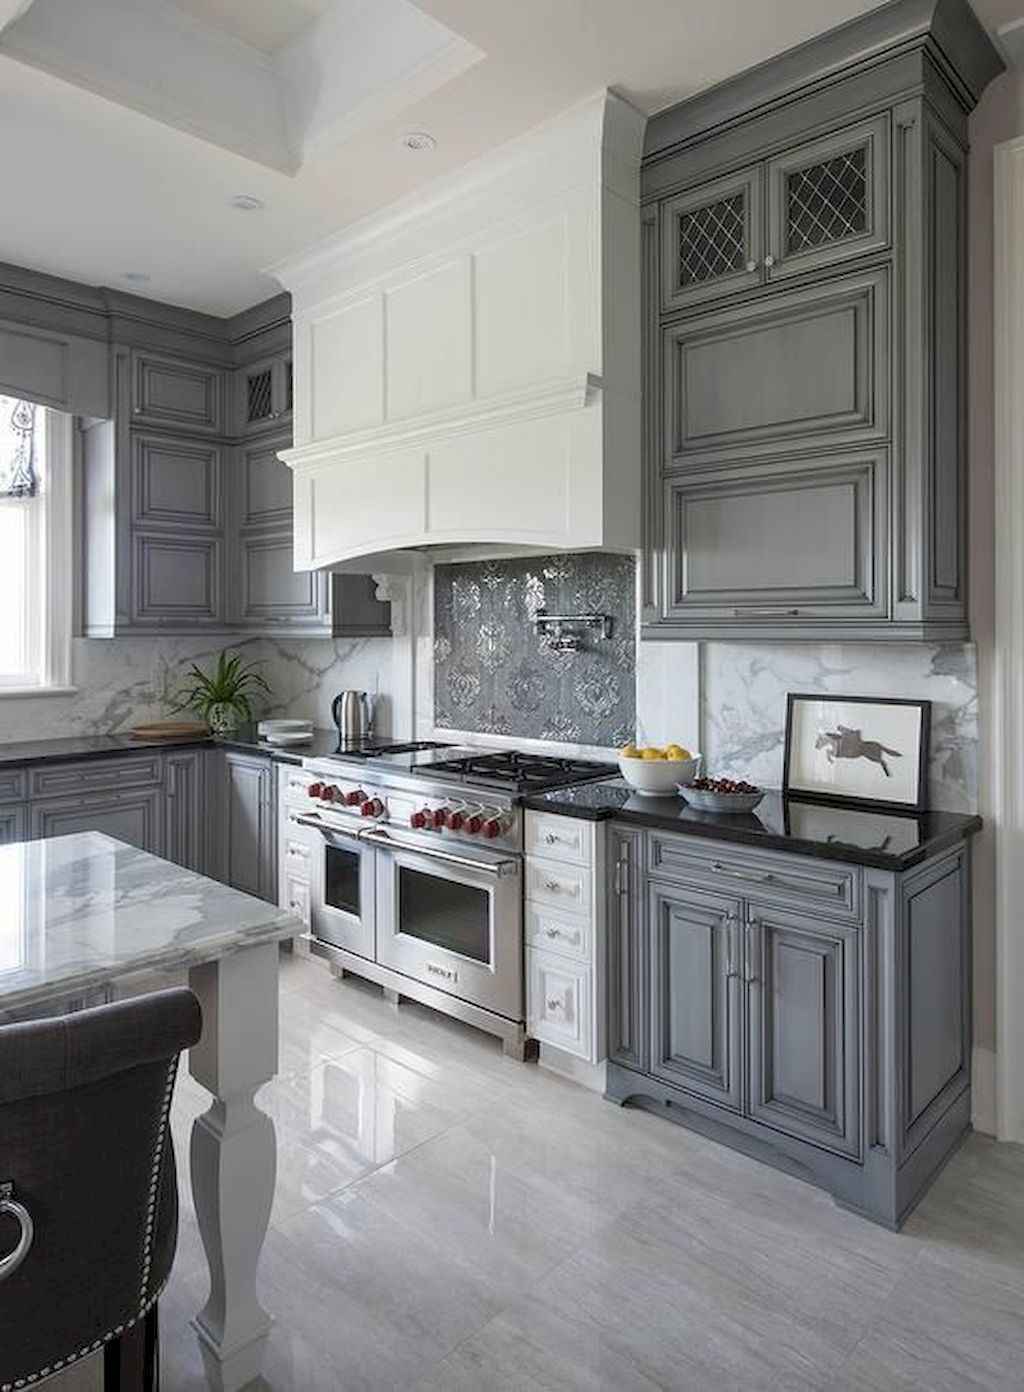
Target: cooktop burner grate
517 769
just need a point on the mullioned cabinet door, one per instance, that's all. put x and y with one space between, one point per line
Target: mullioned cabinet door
712 240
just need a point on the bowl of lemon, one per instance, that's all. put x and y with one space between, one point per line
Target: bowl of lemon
656 771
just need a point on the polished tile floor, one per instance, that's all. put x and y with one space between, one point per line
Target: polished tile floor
449 1221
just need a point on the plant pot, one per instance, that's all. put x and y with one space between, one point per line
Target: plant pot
223 719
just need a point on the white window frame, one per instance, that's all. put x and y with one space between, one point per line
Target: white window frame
50 597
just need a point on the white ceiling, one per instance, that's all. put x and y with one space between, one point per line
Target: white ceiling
103 190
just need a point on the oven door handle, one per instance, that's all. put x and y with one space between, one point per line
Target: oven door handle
327 830
498 868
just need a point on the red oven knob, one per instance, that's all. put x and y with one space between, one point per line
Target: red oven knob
372 807
473 824
418 820
455 821
491 828
353 799
328 792
315 790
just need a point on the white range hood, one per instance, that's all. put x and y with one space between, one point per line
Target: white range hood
467 363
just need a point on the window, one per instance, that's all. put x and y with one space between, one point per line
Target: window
35 547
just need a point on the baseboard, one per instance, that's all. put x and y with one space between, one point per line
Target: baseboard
983 1091
588 1075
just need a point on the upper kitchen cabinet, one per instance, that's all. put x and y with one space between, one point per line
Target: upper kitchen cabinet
803 291
467 369
175 394
262 395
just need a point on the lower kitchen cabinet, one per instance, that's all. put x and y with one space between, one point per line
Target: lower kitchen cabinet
185 827
804 1016
696 993
134 815
832 1038
244 850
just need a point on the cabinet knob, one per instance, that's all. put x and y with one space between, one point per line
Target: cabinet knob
769 261
555 1005
751 266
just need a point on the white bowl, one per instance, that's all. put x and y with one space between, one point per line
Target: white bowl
704 800
658 777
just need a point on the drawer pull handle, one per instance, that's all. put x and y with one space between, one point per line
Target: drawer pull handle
557 933
767 613
752 876
556 1005
553 886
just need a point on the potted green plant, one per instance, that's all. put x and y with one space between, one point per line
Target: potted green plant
223 697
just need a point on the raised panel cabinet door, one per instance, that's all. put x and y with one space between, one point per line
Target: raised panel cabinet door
272 591
782 543
185 813
134 816
176 483
177 580
828 199
247 824
174 392
696 1017
805 369
712 239
627 1028
263 485
13 824
803 984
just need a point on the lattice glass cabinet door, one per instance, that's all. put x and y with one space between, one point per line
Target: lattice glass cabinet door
829 200
712 240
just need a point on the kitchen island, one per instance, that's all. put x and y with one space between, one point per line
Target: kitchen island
84 916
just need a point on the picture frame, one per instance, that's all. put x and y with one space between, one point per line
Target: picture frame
871 751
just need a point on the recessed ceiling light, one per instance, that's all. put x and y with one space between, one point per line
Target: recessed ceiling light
246 202
419 140
137 277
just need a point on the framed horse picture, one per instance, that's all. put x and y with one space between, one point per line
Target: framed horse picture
862 749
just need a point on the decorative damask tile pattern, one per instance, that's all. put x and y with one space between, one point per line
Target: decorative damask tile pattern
494 675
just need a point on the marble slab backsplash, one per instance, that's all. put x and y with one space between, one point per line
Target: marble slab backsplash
494 675
743 704
122 681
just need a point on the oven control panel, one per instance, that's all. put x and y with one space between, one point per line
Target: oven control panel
464 817
348 798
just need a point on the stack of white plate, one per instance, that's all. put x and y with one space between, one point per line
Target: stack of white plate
285 731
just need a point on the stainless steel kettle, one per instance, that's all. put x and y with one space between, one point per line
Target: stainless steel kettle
352 712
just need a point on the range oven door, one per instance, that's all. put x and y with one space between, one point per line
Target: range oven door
453 920
343 889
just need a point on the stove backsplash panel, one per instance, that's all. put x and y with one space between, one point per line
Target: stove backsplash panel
494 675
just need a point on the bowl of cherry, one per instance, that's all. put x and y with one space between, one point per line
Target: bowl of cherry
721 795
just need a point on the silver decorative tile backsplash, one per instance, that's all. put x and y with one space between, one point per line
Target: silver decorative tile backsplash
495 675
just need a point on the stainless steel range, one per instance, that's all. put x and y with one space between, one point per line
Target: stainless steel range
417 876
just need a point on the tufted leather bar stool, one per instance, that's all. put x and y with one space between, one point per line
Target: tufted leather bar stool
88 1188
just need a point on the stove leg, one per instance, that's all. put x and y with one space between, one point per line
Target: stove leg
392 997
339 973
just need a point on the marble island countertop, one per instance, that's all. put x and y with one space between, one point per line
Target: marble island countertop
24 753
885 840
80 911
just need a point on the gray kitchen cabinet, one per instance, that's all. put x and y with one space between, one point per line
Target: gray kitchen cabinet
185 814
176 484
713 239
695 993
244 853
178 393
134 815
627 1027
178 582
812 1012
793 541
803 293
13 824
803 978
263 395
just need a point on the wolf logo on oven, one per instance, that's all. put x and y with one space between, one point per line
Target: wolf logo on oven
844 743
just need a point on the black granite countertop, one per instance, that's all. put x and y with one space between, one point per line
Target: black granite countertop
885 840
24 753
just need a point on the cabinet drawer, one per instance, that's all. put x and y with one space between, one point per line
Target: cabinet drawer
558 1002
797 881
12 785
295 897
294 786
570 935
557 885
560 838
134 771
296 856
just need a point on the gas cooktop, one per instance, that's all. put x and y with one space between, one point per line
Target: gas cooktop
514 770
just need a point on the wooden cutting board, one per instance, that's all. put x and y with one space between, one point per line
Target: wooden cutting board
170 729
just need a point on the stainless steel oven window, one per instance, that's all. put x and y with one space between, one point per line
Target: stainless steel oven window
451 915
